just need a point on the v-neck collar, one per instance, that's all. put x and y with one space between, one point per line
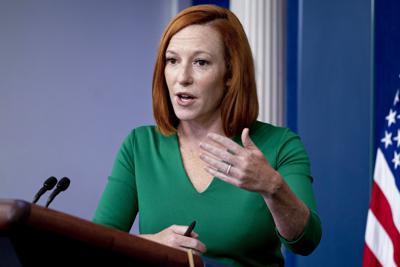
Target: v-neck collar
215 180
182 169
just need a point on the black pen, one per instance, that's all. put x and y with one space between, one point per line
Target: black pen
190 228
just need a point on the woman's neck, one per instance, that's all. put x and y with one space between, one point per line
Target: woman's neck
196 132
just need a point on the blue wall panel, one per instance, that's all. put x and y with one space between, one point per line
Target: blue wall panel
223 3
334 120
292 53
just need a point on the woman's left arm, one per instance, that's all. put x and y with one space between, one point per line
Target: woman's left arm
247 167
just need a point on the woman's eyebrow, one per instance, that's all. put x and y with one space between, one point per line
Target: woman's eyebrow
195 52
170 52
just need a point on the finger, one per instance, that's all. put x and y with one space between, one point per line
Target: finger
192 243
246 140
189 243
218 165
225 142
223 177
194 234
221 154
179 229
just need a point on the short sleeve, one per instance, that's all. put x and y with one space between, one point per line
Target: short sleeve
294 166
118 205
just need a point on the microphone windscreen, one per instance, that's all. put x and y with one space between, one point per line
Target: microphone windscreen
50 183
47 185
63 184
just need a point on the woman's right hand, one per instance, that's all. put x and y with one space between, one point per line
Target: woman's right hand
173 236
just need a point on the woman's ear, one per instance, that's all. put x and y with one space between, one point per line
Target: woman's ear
228 75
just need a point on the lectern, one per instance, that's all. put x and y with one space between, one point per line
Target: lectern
45 237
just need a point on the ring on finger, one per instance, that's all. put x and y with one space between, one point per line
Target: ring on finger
229 168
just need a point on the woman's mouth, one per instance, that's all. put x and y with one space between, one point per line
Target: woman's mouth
185 99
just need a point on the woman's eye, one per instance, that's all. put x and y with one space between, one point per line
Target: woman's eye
171 60
201 62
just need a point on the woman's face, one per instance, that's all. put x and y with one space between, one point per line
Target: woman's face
194 72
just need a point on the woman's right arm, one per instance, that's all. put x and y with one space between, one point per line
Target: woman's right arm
118 205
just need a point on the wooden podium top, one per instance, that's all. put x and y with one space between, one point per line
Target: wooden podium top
36 231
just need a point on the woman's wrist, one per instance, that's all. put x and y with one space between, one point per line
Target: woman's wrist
273 186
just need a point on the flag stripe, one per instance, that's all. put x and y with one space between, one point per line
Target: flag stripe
379 242
369 259
381 209
382 234
386 181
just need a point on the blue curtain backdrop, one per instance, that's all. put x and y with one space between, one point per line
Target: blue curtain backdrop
386 61
223 3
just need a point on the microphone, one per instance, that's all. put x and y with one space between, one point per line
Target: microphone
47 185
62 185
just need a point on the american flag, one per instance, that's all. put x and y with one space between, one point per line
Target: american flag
382 236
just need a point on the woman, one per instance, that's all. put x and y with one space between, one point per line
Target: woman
246 183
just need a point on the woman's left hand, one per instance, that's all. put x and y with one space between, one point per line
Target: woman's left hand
245 167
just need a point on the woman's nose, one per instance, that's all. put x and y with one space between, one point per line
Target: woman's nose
185 75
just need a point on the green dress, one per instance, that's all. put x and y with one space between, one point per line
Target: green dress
234 224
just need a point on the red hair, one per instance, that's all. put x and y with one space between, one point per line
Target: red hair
239 106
